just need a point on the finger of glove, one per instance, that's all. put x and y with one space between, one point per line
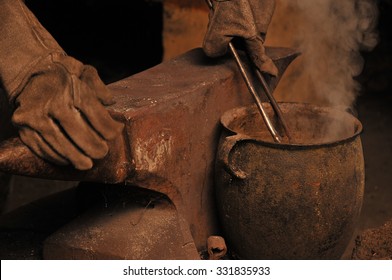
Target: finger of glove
95 113
91 78
229 19
43 96
81 133
53 135
35 142
259 58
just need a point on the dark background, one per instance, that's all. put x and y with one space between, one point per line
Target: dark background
374 107
377 74
118 37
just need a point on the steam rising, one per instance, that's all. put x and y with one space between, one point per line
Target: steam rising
330 35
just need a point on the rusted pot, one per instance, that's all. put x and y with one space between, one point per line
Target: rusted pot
297 200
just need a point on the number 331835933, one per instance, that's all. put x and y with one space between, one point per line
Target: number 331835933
242 270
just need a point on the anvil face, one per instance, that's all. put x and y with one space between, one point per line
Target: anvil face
171 113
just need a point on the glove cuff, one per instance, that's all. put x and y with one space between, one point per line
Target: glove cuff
25 46
39 65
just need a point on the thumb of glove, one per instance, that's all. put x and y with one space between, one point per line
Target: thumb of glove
260 59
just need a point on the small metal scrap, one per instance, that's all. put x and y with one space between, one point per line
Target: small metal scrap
216 247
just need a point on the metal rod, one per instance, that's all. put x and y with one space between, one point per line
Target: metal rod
209 3
251 89
256 97
274 104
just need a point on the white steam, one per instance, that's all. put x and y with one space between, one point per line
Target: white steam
330 35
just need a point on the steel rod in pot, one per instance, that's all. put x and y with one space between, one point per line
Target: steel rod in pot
254 94
274 104
251 88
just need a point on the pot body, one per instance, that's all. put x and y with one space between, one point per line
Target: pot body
290 201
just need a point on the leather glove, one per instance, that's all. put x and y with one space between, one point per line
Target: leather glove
59 102
247 19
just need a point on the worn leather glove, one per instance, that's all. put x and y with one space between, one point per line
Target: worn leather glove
59 102
247 19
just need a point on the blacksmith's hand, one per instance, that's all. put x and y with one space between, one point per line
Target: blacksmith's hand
247 19
58 102
60 113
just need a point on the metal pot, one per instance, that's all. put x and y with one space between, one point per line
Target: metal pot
297 200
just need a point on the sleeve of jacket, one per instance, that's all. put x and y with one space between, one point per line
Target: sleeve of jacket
24 44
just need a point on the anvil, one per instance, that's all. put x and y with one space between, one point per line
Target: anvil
172 116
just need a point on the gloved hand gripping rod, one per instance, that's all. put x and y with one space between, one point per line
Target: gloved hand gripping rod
255 95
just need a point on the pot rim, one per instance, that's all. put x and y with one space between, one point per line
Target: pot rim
229 116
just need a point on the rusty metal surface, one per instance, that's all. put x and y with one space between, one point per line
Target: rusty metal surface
290 201
131 224
171 113
17 159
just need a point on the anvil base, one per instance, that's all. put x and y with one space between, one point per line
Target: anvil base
122 223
